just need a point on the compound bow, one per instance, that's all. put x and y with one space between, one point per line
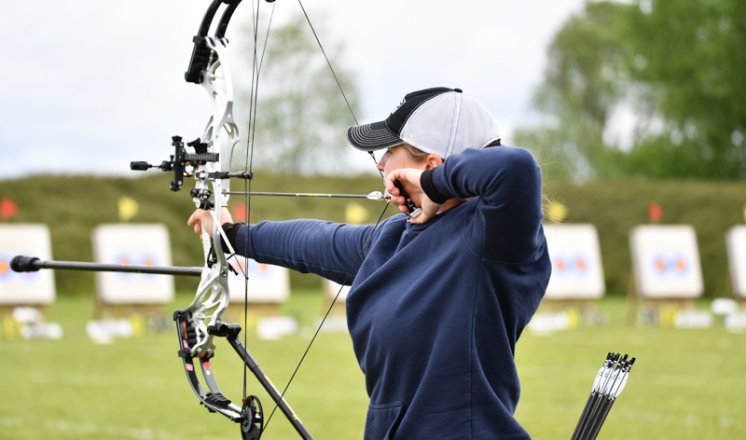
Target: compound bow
213 160
217 157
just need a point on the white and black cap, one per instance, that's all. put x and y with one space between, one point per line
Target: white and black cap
437 120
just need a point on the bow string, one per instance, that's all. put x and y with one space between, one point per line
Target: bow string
218 157
213 160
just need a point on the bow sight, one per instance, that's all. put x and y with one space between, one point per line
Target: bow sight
183 163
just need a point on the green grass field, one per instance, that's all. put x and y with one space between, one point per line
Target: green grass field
686 384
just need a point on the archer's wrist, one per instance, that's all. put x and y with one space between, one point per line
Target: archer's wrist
231 231
428 187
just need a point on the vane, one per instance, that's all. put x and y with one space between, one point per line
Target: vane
607 386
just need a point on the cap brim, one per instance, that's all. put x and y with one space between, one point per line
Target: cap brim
371 137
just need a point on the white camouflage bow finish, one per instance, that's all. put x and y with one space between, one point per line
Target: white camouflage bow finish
217 157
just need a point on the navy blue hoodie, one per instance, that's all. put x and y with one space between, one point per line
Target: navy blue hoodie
435 310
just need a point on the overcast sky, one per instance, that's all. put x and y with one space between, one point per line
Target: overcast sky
88 85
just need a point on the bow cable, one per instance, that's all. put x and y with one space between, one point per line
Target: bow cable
257 61
256 66
367 241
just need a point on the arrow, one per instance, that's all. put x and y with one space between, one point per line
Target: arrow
375 195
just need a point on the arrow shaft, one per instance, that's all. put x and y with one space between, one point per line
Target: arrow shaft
372 196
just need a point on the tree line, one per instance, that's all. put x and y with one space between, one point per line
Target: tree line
670 73
641 88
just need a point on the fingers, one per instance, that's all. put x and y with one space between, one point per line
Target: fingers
394 176
203 221
422 216
402 181
388 183
403 185
420 219
194 223
200 220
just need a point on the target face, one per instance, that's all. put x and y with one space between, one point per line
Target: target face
665 260
577 272
27 288
133 245
736 243
266 283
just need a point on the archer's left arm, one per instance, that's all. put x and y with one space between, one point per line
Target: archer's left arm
331 250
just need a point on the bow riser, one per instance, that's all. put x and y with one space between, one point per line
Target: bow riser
213 294
217 157
220 136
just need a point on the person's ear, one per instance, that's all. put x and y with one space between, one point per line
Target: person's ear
434 160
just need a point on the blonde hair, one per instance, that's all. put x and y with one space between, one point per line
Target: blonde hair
414 152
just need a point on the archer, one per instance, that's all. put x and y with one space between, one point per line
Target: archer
441 292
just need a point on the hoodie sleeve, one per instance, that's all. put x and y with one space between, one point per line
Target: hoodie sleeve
506 183
331 250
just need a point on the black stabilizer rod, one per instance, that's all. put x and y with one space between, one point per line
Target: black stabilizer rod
230 332
22 263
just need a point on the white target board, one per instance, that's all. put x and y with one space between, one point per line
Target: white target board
331 289
129 245
26 288
577 270
267 284
665 260
736 243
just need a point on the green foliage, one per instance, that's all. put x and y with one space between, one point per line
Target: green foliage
72 206
581 83
693 56
301 111
674 68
